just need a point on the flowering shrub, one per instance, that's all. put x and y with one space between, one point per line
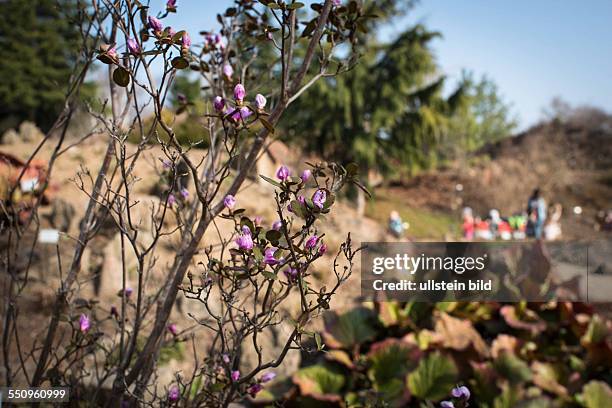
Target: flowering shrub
115 349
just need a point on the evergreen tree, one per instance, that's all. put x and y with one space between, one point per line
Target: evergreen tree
39 42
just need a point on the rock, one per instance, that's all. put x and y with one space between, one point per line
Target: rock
10 137
30 133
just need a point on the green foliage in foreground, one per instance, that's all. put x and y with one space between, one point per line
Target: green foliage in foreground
555 354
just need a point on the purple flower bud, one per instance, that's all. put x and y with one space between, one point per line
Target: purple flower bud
337 3
171 5
244 240
291 274
306 174
241 113
155 24
184 193
171 31
114 311
319 198
112 53
322 249
182 99
225 358
229 201
267 377
282 173
311 242
133 46
219 104
172 329
217 39
260 101
258 220
235 375
447 404
254 389
228 71
171 200
186 40
128 292
301 199
277 225
461 392
84 323
166 164
174 393
269 258
239 93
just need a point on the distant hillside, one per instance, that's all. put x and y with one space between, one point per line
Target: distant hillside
570 160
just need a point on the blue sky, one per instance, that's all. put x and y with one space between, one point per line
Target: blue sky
533 49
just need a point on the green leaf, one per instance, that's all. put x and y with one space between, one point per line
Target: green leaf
267 125
295 6
512 368
121 77
433 378
271 181
273 235
351 328
319 380
596 394
180 63
389 363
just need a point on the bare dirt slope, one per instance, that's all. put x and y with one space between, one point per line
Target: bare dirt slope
570 161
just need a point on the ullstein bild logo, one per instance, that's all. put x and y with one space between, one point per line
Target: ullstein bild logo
508 272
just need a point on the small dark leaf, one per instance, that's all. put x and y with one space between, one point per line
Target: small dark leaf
267 125
180 63
121 77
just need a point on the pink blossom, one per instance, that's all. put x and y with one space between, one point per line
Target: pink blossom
186 40
269 258
241 113
172 329
254 389
291 274
184 193
219 104
322 249
267 377
311 242
235 375
229 201
228 71
319 198
174 394
306 174
171 200
84 323
282 173
171 5
260 101
244 240
337 3
225 358
132 46
277 225
112 53
258 220
155 24
239 93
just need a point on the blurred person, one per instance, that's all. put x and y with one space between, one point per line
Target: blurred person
504 230
552 229
482 230
495 220
536 214
396 225
467 225
518 223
